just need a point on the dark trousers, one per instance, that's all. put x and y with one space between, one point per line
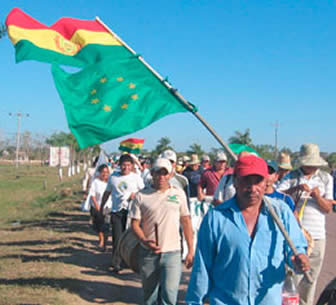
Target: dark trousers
118 224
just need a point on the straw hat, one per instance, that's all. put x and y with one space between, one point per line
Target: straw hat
284 161
194 160
310 156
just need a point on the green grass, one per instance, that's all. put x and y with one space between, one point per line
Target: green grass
29 192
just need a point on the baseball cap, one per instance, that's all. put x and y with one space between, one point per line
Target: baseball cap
220 156
251 165
272 164
162 163
205 158
169 154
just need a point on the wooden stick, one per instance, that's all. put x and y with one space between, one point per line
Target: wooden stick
156 234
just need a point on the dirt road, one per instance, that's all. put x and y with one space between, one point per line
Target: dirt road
56 262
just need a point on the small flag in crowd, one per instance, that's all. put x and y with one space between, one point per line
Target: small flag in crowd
238 148
132 145
69 41
111 99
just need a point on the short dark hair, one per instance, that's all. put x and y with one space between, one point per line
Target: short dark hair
101 167
126 158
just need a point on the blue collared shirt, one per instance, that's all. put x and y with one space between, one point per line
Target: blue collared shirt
231 268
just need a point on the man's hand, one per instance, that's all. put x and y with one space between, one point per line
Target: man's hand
315 192
301 262
151 244
189 260
131 197
304 188
201 197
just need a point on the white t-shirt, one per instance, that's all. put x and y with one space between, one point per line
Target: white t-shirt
165 209
225 189
121 188
97 190
313 219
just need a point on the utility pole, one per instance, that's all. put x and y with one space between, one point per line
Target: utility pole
19 115
276 129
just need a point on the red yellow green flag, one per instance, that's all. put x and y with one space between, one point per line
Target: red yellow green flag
132 145
69 41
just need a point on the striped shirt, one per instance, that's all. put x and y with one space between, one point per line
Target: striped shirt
313 219
210 179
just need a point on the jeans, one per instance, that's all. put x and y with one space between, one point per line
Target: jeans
118 224
160 272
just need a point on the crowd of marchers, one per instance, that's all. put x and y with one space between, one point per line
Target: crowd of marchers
241 255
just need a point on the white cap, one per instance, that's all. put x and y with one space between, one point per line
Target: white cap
169 154
162 163
186 158
220 156
205 158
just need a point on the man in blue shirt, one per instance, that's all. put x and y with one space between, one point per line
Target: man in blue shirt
241 254
271 191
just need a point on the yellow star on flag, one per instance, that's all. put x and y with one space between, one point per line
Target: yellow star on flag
124 106
95 101
103 80
131 86
134 97
107 108
120 79
93 91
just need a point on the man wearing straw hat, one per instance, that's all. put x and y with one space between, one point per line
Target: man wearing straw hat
156 213
241 253
193 174
284 166
312 190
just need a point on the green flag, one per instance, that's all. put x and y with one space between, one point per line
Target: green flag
112 98
237 148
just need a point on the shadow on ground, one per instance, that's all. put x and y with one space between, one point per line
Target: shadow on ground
92 291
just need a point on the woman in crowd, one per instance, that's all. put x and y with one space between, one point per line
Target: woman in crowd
97 189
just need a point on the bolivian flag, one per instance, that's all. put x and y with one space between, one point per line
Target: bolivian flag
131 145
69 41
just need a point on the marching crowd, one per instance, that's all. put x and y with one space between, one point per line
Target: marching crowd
241 256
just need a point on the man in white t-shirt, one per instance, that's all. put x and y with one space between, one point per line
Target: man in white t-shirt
156 215
312 190
122 187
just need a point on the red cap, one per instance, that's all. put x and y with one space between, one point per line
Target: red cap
251 165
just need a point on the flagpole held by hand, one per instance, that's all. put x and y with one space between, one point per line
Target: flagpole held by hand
156 227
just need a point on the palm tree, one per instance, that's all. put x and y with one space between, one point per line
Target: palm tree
163 144
195 149
241 137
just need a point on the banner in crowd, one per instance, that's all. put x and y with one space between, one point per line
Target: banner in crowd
132 145
59 156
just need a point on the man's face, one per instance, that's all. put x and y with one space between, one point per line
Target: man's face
104 174
250 189
309 170
272 177
126 167
220 165
205 163
195 167
160 179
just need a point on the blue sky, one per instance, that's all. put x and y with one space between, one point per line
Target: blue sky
245 64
